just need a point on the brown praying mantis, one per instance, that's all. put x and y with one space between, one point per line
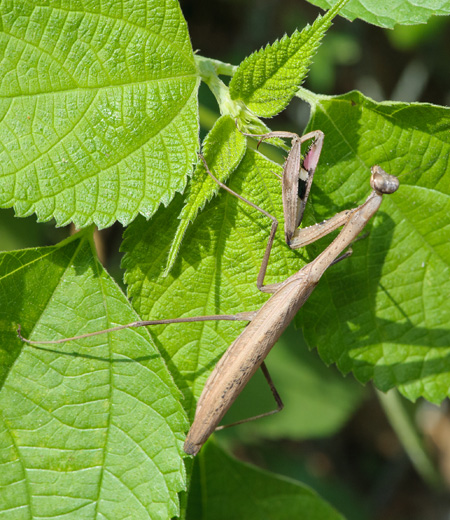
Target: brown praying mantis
247 353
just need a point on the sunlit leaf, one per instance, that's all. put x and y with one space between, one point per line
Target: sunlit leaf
98 109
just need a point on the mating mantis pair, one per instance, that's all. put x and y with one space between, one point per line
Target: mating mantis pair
247 353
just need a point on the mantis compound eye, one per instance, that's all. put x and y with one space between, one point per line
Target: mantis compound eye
382 182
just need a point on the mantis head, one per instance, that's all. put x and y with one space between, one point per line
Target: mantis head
382 182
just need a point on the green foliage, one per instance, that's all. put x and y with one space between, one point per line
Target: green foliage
98 109
217 494
387 13
99 122
223 149
218 263
267 80
87 428
399 282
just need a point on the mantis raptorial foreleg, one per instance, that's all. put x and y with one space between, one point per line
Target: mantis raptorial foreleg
296 182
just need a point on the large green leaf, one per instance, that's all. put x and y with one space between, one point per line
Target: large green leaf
388 13
98 108
88 428
223 488
207 274
394 326
215 272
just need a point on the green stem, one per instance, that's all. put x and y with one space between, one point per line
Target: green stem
406 431
209 70
220 68
310 97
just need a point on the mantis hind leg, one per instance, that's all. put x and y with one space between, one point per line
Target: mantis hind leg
275 394
273 229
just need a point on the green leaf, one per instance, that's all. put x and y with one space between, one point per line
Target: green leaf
268 79
224 488
393 327
88 428
223 149
387 13
99 117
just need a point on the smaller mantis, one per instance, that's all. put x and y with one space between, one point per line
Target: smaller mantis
247 353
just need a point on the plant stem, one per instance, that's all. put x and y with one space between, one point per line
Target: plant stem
310 97
208 70
226 69
406 431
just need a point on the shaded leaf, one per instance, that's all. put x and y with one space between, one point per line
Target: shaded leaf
215 273
233 489
393 327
